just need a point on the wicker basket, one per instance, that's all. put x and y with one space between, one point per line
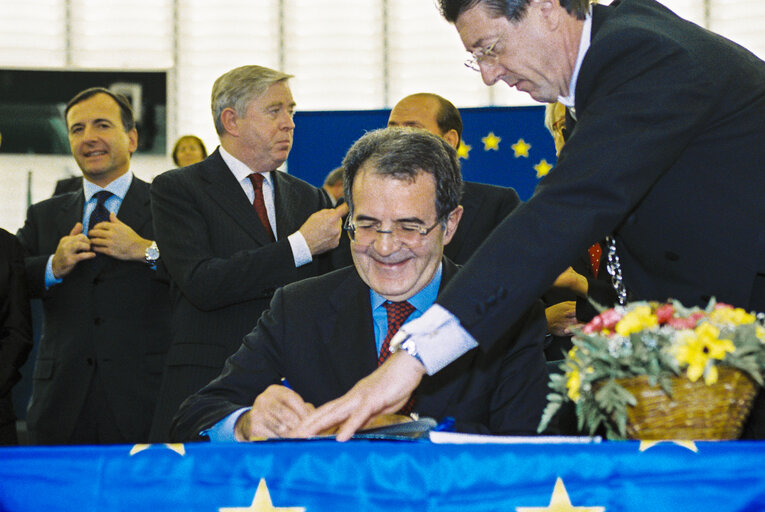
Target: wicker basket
696 411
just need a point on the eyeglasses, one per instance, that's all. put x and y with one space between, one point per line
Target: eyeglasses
482 55
367 231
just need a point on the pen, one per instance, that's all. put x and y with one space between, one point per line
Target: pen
285 383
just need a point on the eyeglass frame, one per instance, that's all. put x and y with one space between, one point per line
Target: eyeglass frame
351 228
477 56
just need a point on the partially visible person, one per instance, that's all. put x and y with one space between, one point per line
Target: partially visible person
15 330
333 185
188 149
91 258
322 334
65 185
485 206
233 229
660 130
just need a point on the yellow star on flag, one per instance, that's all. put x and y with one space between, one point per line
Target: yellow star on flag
491 141
689 445
560 502
176 447
261 503
521 148
463 150
542 168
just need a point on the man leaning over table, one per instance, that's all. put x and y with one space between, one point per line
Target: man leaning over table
665 157
323 334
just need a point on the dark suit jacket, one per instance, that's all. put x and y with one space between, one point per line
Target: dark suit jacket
15 328
107 314
223 266
665 154
319 335
485 207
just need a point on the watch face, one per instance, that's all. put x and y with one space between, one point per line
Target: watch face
152 253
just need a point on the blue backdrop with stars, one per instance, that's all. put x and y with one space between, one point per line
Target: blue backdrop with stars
501 145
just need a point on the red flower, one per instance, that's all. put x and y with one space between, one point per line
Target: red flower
664 313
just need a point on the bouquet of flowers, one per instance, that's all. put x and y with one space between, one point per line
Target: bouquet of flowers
659 341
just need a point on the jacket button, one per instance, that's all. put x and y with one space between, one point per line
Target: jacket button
89 361
97 321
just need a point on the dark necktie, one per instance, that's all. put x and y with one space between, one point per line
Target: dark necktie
398 312
100 213
259 204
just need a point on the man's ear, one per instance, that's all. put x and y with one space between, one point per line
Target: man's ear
133 141
452 138
452 221
228 119
549 12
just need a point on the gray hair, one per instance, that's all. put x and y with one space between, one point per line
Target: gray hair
513 10
403 153
238 87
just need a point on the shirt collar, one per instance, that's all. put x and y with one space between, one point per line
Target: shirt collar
238 168
118 187
421 300
584 45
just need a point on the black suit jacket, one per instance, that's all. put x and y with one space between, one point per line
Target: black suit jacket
223 266
15 327
485 207
107 314
665 154
319 335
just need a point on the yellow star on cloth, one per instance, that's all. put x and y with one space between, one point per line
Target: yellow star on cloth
560 502
542 168
491 142
176 447
261 503
521 148
689 445
463 150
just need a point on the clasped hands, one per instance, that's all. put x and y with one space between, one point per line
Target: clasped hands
113 238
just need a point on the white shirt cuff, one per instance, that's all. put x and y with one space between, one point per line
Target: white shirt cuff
223 431
300 251
438 337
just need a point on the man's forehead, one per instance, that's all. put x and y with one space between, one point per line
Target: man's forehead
98 106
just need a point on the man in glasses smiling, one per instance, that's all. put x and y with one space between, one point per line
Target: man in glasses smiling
323 334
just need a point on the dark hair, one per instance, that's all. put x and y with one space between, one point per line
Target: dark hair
126 111
403 153
185 137
513 10
447 117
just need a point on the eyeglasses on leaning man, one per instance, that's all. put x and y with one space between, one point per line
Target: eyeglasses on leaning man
366 231
487 55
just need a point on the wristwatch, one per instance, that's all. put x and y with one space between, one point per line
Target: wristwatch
404 341
151 254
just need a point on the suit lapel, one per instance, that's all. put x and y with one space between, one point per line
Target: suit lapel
221 185
135 210
72 206
286 201
351 345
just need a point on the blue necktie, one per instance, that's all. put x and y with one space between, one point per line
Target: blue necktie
100 213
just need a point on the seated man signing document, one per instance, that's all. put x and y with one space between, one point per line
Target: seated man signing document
325 333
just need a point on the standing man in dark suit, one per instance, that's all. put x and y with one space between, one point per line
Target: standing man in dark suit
668 116
92 260
233 229
15 329
322 334
485 206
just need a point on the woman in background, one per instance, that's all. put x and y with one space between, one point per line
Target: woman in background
188 150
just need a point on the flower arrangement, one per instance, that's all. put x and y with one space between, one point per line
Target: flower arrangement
660 341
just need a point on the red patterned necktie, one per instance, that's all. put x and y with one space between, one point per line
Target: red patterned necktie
595 252
259 204
398 312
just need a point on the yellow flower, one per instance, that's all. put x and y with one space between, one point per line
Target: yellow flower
697 348
573 383
636 320
760 333
735 316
